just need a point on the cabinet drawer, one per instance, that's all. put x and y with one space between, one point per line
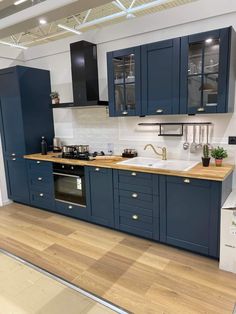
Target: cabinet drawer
134 187
37 165
71 210
40 181
42 200
135 174
188 181
136 210
134 195
141 181
136 224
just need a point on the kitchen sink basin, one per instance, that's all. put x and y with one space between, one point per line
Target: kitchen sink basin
170 164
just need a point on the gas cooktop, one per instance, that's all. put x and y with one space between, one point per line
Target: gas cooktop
81 156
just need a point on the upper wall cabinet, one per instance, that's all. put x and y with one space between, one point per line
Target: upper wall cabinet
207 72
124 82
160 77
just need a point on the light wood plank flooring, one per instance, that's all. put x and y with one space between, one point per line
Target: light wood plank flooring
139 275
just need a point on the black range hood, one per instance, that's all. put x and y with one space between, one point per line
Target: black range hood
84 71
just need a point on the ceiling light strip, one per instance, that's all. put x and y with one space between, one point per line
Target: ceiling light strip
69 29
13 45
19 2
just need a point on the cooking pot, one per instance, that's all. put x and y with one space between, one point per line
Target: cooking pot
68 149
82 148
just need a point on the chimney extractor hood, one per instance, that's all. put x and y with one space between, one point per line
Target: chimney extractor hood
85 74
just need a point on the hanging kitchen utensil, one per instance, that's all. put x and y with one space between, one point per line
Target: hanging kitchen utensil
207 137
186 143
199 137
193 146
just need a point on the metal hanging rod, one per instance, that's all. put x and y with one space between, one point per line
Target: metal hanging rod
180 124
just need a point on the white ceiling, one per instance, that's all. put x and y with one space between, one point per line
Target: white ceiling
20 24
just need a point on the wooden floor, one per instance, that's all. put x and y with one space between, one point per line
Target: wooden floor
136 274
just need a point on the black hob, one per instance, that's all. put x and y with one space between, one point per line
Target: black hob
81 156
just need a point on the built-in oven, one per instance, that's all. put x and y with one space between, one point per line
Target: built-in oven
69 184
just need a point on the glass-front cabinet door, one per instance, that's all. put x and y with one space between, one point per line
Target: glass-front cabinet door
205 72
124 82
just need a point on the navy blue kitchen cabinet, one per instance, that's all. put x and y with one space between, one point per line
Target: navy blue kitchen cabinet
136 199
41 184
160 77
25 116
101 196
190 213
124 82
208 72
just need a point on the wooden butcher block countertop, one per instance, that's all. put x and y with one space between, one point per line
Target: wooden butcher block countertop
199 172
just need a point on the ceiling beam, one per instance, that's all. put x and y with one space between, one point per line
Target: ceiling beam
25 23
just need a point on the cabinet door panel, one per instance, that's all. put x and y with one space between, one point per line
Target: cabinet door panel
206 71
124 80
16 171
186 214
101 196
160 78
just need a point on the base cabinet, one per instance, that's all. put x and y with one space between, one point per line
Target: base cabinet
17 179
190 213
137 203
101 196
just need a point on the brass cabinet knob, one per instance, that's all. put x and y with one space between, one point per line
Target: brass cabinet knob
134 195
135 217
159 110
13 155
186 181
70 206
97 169
38 162
41 194
13 159
40 179
133 174
124 113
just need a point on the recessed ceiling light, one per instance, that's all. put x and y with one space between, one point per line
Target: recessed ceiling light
42 21
209 40
130 16
69 29
13 45
19 2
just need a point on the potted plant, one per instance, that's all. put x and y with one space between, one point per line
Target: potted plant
219 153
55 97
205 158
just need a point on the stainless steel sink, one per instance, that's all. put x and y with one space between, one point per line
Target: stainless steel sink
170 164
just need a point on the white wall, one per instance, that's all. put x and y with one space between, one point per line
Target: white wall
8 57
93 126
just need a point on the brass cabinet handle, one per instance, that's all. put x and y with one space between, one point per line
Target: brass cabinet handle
159 110
70 206
134 195
14 159
200 109
97 169
41 194
124 113
38 162
40 179
135 217
186 181
13 155
133 174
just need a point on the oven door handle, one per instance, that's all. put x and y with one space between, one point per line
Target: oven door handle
67 175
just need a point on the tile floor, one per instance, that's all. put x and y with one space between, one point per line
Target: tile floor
26 290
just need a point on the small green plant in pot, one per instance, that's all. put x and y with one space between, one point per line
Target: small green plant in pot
219 153
55 97
206 158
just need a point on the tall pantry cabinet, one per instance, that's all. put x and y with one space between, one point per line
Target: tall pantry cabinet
25 116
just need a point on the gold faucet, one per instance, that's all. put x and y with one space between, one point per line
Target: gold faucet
163 149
